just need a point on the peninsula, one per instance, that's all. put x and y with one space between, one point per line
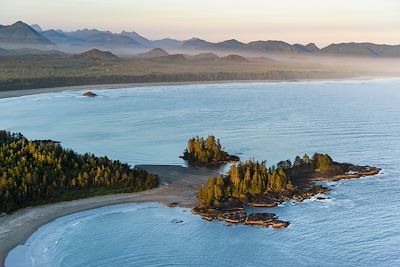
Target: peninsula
251 183
39 172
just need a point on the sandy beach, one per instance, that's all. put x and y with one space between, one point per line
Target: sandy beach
23 92
178 185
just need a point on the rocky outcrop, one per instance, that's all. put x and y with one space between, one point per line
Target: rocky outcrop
265 220
227 159
272 199
89 94
233 212
264 201
172 204
355 172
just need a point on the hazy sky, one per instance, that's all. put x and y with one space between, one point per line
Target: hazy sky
294 21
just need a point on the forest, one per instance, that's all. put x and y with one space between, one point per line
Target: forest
44 71
38 172
253 178
206 150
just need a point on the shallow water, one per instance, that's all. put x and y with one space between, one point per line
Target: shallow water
353 121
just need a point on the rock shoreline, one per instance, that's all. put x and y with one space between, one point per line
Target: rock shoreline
228 159
238 215
354 172
233 211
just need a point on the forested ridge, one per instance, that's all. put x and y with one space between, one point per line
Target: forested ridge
42 71
37 172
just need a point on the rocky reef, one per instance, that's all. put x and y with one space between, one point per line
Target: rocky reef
233 212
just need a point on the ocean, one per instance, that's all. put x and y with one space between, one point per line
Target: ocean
353 121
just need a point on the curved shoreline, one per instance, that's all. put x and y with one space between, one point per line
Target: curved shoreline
179 185
25 92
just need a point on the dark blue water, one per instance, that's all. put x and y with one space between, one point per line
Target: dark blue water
357 121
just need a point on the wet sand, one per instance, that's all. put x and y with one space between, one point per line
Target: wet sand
177 185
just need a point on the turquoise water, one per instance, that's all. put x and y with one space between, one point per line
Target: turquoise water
353 121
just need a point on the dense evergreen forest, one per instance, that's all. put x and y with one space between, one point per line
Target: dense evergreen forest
252 178
206 150
37 172
42 71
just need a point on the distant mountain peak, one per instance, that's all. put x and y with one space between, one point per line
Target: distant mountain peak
232 58
95 37
176 58
159 51
229 45
232 41
195 43
20 35
96 54
19 23
312 47
153 53
362 49
36 27
202 57
137 37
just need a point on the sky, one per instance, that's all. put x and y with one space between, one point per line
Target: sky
294 21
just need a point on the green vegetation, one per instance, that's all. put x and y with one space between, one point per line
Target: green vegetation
55 70
243 179
37 172
252 178
206 150
321 162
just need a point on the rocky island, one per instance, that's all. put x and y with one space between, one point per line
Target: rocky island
251 183
206 151
89 94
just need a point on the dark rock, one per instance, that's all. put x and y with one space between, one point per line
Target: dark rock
279 224
264 201
89 94
231 205
240 216
232 158
198 210
208 218
265 220
259 218
172 205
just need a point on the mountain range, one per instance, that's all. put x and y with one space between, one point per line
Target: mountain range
21 35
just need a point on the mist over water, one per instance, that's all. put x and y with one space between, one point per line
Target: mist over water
353 121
